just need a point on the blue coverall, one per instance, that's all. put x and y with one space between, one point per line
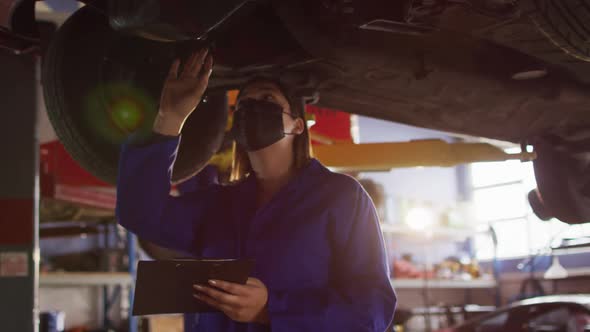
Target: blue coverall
317 243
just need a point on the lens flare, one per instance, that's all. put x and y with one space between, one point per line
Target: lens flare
115 110
126 114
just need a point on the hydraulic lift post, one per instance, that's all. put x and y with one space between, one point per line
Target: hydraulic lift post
19 194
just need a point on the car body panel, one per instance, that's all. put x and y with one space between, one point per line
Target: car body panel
457 69
513 316
581 299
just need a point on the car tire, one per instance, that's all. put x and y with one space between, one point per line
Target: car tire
563 183
88 68
538 206
566 23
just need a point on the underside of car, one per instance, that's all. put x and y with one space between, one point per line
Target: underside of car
512 70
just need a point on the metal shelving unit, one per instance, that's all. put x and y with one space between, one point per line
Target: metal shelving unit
70 279
114 284
439 233
423 285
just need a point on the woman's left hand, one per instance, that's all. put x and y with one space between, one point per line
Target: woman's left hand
242 303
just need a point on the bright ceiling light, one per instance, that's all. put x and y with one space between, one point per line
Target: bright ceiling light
420 218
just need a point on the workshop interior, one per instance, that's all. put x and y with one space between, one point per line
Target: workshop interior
467 123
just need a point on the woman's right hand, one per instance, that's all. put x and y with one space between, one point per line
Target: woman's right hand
182 92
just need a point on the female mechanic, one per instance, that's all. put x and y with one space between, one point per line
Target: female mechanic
314 234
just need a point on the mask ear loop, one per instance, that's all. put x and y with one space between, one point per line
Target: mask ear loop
292 117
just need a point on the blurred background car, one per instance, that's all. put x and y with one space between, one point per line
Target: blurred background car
559 313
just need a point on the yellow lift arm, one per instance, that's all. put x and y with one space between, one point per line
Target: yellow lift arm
421 153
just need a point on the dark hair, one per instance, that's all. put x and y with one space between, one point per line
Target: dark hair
301 144
375 191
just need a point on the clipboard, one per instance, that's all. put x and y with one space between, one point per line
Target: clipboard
166 286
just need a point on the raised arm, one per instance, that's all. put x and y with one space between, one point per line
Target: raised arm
144 204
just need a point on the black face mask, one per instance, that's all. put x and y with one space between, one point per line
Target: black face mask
258 124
